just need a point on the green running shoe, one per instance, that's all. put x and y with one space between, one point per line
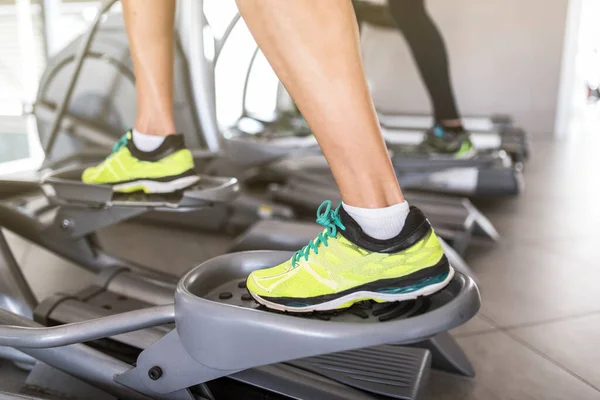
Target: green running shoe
343 266
439 142
165 170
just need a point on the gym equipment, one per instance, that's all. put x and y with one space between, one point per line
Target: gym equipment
71 232
392 370
187 356
486 134
496 123
490 173
219 332
66 216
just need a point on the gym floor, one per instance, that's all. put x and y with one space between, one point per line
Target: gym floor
536 336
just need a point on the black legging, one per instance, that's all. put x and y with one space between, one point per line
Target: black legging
429 52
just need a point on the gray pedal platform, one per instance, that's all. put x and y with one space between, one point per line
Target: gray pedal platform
219 284
64 187
391 371
211 303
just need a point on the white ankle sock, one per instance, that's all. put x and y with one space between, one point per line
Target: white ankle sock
380 223
146 142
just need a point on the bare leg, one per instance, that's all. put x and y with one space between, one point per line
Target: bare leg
151 38
132 165
313 47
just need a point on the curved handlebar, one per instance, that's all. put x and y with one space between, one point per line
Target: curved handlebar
78 332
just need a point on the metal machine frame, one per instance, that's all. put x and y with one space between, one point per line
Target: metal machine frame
181 359
81 210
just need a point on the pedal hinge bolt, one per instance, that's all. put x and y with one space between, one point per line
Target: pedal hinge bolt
155 373
67 224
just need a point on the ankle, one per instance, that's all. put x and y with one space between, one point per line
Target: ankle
372 202
371 190
155 127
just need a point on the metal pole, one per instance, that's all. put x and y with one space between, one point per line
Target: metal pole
15 293
219 44
247 80
80 361
85 44
191 24
79 332
50 19
29 61
14 355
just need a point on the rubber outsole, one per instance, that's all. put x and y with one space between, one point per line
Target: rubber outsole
351 298
150 186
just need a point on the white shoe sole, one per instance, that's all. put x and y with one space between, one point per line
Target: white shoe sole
382 297
151 186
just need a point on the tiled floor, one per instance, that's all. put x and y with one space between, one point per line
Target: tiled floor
538 333
536 336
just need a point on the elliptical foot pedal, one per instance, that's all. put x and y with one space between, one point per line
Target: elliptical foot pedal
218 333
212 291
391 371
64 187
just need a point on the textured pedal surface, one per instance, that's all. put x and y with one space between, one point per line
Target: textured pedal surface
64 187
137 199
392 371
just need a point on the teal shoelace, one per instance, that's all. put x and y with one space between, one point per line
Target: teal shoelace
328 218
122 142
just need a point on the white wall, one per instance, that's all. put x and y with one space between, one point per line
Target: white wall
505 58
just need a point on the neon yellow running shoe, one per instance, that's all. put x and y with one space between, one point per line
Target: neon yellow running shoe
343 265
165 170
